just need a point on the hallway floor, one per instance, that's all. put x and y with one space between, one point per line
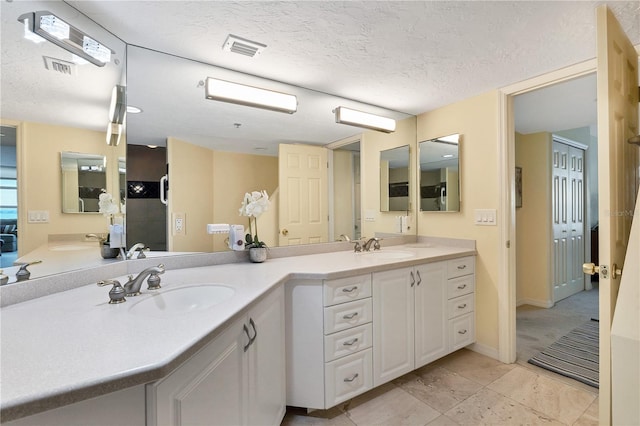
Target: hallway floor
464 388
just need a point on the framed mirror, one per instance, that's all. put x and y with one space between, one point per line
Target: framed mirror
440 174
394 179
84 178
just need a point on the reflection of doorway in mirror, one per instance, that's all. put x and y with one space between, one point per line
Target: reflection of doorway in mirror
346 192
8 196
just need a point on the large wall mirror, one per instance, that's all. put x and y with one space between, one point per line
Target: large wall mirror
440 174
395 179
218 151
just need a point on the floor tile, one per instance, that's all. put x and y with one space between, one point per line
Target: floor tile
299 416
551 397
591 416
474 366
443 421
438 387
490 408
389 405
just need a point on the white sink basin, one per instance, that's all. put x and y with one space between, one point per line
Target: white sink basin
387 254
193 298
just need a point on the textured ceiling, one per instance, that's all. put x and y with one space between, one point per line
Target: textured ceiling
409 56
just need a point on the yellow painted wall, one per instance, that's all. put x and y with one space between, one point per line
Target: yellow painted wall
343 202
476 119
41 145
371 144
533 221
191 194
234 174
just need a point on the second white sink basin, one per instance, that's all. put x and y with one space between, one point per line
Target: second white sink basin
192 298
387 254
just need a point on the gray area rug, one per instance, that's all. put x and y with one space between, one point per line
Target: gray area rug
574 355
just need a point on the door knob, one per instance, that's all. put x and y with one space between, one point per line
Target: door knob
590 268
285 232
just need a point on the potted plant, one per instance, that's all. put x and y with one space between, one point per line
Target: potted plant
253 205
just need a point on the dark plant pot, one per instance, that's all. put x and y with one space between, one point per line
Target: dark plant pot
107 252
258 254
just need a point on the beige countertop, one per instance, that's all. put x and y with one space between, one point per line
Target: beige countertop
73 345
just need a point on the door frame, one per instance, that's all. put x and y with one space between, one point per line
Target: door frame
507 220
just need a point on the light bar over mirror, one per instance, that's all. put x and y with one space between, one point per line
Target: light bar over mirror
62 34
366 120
236 93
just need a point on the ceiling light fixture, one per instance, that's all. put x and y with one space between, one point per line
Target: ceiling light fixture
236 93
366 120
60 33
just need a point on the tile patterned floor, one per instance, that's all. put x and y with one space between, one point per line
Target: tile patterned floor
464 388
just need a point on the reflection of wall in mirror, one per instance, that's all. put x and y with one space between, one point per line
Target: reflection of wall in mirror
40 161
344 188
208 187
371 144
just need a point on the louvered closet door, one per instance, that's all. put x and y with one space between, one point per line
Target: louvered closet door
568 220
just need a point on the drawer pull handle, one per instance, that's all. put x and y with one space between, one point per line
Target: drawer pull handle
462 332
462 287
419 277
351 379
351 342
413 279
464 305
462 266
350 316
350 290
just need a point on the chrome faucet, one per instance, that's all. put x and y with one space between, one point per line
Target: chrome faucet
23 273
376 244
132 287
344 237
134 248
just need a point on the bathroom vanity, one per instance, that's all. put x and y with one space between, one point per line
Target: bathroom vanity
73 358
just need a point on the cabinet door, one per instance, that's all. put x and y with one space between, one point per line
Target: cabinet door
430 315
393 324
266 356
207 389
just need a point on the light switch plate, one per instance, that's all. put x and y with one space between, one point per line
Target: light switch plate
370 215
38 216
485 217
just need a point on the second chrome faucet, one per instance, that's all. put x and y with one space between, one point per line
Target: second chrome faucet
132 287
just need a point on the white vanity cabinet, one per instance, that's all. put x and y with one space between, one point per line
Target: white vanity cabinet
238 378
409 323
460 303
328 334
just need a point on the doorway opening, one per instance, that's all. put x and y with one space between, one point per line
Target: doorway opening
556 212
8 196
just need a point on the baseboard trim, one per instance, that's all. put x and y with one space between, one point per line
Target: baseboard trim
535 302
484 350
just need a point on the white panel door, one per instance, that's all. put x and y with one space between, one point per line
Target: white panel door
303 209
575 276
393 324
430 315
617 174
560 219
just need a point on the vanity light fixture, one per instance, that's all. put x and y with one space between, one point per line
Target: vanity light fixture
366 120
236 93
50 27
114 131
118 106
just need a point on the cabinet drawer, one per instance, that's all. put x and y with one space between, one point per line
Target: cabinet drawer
346 289
347 377
461 331
460 286
347 315
347 342
460 306
460 267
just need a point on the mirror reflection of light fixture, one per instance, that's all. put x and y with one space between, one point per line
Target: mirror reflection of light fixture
366 120
49 26
236 93
118 106
114 131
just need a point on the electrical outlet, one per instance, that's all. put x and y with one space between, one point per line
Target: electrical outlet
179 224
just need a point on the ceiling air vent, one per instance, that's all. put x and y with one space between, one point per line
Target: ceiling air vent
58 65
243 46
